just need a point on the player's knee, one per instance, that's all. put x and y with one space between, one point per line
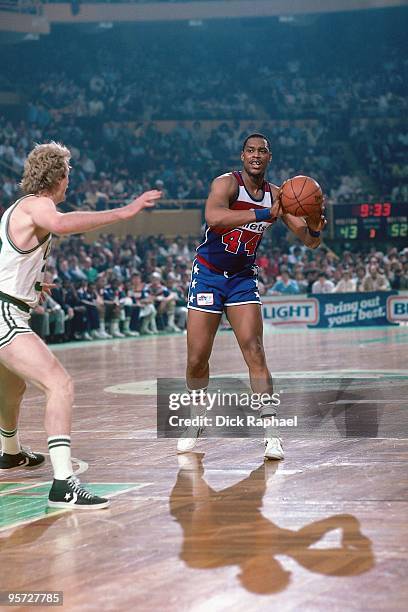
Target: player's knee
253 351
67 387
197 364
61 382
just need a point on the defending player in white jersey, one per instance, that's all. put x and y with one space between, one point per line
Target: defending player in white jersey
25 239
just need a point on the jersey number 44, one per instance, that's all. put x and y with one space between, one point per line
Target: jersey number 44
236 237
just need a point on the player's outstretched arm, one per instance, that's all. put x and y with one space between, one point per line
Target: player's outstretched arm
45 215
217 211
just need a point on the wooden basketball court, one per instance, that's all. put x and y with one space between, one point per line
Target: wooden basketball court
218 529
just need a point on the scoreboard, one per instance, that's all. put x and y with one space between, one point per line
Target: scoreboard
377 221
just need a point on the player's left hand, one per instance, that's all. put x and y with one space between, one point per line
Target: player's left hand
317 222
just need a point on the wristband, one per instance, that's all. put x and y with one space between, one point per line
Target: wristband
262 214
313 233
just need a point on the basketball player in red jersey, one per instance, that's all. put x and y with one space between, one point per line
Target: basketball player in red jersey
239 208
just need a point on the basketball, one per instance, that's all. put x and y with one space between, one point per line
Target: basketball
301 196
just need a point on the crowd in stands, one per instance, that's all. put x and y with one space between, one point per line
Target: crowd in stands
181 162
383 147
299 270
184 160
127 287
342 122
147 105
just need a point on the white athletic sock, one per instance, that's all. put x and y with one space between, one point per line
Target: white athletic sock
60 455
10 442
198 397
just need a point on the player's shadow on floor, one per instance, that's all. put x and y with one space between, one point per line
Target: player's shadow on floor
224 528
355 420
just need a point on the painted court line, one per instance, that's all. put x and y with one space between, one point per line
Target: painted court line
149 387
82 467
55 512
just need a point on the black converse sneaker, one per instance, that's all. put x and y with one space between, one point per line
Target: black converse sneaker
24 459
70 493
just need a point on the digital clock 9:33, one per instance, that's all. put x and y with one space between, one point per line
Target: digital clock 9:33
379 221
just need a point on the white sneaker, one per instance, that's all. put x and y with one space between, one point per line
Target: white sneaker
96 335
173 328
104 335
188 439
273 448
117 334
131 334
86 336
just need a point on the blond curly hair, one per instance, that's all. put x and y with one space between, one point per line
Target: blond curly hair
46 165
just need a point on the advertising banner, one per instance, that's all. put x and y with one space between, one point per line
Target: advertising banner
290 310
353 309
397 307
334 310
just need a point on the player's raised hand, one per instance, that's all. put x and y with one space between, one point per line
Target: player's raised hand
146 200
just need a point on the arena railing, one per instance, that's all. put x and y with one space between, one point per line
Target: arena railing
168 203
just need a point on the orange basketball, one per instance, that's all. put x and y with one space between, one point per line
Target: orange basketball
301 196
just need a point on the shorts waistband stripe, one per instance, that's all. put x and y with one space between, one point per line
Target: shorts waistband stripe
4 297
208 265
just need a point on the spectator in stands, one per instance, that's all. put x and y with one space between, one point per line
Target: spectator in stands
375 280
114 312
132 293
80 319
175 286
360 276
403 282
284 285
88 299
322 284
147 313
164 301
347 284
90 272
301 281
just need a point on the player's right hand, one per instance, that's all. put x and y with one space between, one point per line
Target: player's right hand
146 200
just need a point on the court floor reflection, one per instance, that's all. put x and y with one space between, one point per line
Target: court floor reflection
224 528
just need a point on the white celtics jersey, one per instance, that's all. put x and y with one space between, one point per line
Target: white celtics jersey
21 272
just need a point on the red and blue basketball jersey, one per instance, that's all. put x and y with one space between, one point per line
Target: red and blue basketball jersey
233 250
